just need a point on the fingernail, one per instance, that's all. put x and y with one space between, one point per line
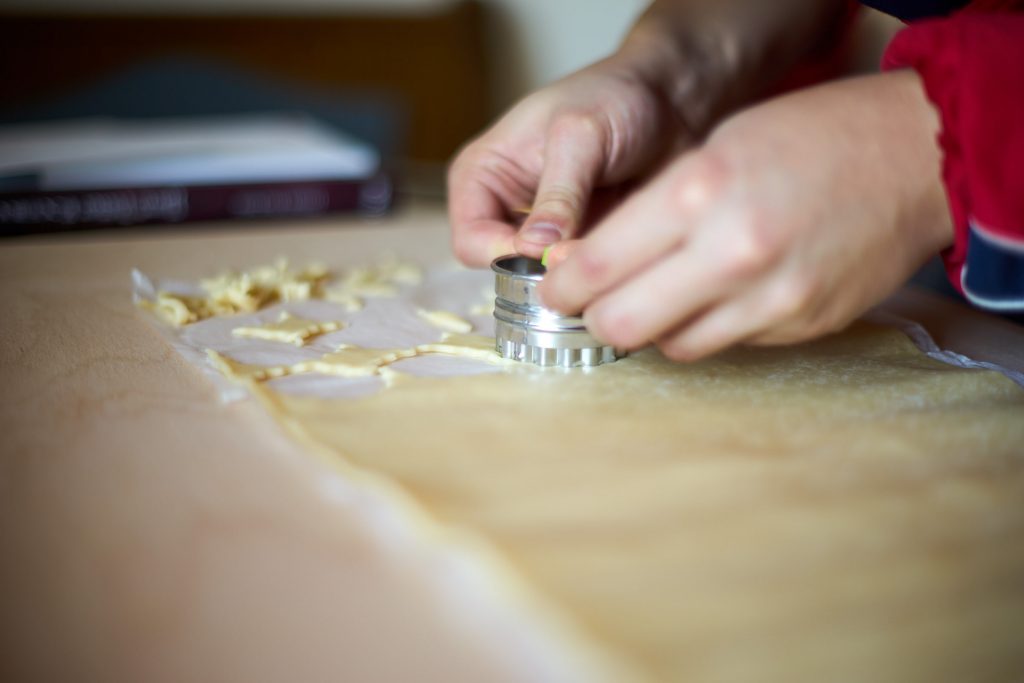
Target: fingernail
542 234
559 252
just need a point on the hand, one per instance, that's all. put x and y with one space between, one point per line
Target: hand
560 151
795 217
568 152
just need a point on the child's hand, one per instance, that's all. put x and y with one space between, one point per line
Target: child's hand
554 151
794 218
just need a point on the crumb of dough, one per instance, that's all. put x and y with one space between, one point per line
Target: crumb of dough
482 309
485 307
393 377
446 321
402 272
340 295
288 329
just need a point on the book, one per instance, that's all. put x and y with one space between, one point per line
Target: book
81 174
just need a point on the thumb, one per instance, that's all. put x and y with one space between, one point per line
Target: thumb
573 161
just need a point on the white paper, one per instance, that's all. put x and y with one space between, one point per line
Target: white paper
383 323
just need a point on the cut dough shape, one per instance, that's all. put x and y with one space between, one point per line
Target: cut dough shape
288 329
446 320
476 347
353 361
245 372
359 361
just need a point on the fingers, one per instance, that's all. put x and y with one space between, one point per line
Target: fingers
732 322
574 159
649 224
477 210
652 303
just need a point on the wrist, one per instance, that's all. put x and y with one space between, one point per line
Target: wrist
709 58
923 129
690 70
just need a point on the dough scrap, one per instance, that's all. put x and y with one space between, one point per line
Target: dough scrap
251 290
381 280
359 361
473 346
485 307
353 361
446 320
246 372
248 291
177 309
288 329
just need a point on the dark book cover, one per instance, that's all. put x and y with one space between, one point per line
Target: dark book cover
24 213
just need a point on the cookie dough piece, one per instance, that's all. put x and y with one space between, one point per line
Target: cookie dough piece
446 321
340 295
288 329
477 347
251 290
177 309
353 361
230 293
239 371
485 307
381 280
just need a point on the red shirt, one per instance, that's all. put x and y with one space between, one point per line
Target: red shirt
972 64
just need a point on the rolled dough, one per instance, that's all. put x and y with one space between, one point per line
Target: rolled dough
844 510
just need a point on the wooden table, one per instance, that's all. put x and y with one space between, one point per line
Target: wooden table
150 532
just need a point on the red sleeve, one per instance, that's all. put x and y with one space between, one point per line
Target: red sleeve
972 65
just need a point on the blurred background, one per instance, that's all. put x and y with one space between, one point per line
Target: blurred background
163 111
413 79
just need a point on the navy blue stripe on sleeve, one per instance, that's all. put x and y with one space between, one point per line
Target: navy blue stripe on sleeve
908 10
993 275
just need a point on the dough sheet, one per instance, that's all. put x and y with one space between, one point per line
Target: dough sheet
844 510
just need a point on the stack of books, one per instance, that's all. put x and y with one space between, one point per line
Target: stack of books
100 173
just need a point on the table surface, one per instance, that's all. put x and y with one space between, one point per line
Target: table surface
150 532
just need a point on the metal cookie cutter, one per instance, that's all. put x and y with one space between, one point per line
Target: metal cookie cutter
526 331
